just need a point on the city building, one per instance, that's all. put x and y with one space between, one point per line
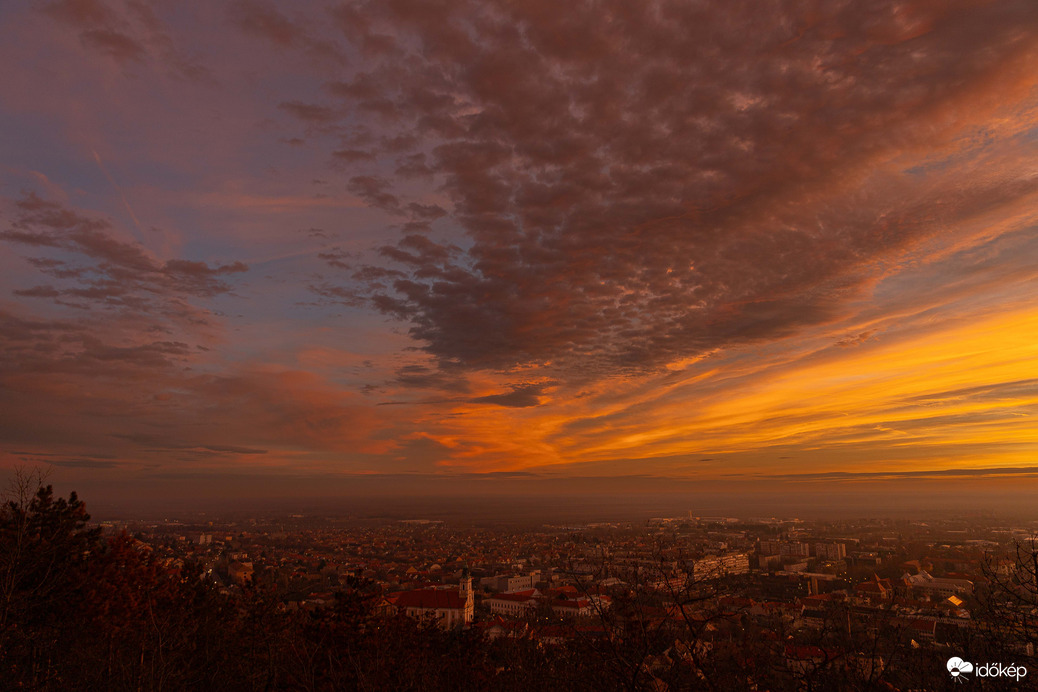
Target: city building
784 548
716 566
830 551
936 587
449 607
509 583
513 605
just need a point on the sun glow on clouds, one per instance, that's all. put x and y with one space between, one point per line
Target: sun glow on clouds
957 395
701 241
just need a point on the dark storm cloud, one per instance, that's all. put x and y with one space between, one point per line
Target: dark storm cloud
680 178
100 268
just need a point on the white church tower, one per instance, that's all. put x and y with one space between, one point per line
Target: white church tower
467 596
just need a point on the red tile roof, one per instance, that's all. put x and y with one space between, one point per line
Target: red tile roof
574 604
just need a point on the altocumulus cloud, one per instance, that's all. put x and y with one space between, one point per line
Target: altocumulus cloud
681 178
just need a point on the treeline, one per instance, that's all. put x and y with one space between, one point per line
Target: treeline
84 611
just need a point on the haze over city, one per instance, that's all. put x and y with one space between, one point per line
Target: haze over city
738 257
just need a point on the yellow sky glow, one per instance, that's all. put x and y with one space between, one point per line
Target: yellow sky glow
884 397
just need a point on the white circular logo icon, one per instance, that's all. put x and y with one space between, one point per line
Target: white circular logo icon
957 667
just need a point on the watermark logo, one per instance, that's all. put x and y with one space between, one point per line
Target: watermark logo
960 670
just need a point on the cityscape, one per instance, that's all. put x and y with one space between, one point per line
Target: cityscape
348 600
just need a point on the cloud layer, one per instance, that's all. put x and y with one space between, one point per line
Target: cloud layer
678 179
730 240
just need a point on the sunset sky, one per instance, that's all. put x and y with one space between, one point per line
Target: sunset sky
433 241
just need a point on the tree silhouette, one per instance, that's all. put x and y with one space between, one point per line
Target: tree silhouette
44 548
1009 600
